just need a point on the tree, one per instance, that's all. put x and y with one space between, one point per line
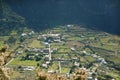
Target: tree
11 40
22 39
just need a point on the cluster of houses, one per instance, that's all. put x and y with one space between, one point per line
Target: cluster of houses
46 52
97 58
52 37
30 33
47 57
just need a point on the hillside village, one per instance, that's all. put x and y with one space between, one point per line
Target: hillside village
68 51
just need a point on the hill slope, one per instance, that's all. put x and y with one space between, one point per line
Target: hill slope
42 14
9 20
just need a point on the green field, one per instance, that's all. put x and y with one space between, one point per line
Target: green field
18 62
36 44
97 45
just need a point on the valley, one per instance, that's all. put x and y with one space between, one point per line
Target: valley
61 50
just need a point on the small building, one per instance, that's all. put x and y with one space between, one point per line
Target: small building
55 49
72 48
29 68
90 78
44 65
46 50
102 61
52 37
70 25
31 33
94 55
47 62
76 64
47 58
51 71
23 34
85 53
19 52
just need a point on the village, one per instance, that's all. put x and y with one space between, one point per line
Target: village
63 50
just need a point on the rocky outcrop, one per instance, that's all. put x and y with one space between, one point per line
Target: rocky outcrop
4 71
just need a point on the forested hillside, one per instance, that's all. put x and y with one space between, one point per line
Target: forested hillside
9 20
42 14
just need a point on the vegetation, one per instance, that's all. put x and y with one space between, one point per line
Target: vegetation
84 48
36 44
11 40
1 44
17 61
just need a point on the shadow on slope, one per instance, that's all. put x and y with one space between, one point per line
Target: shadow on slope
42 14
